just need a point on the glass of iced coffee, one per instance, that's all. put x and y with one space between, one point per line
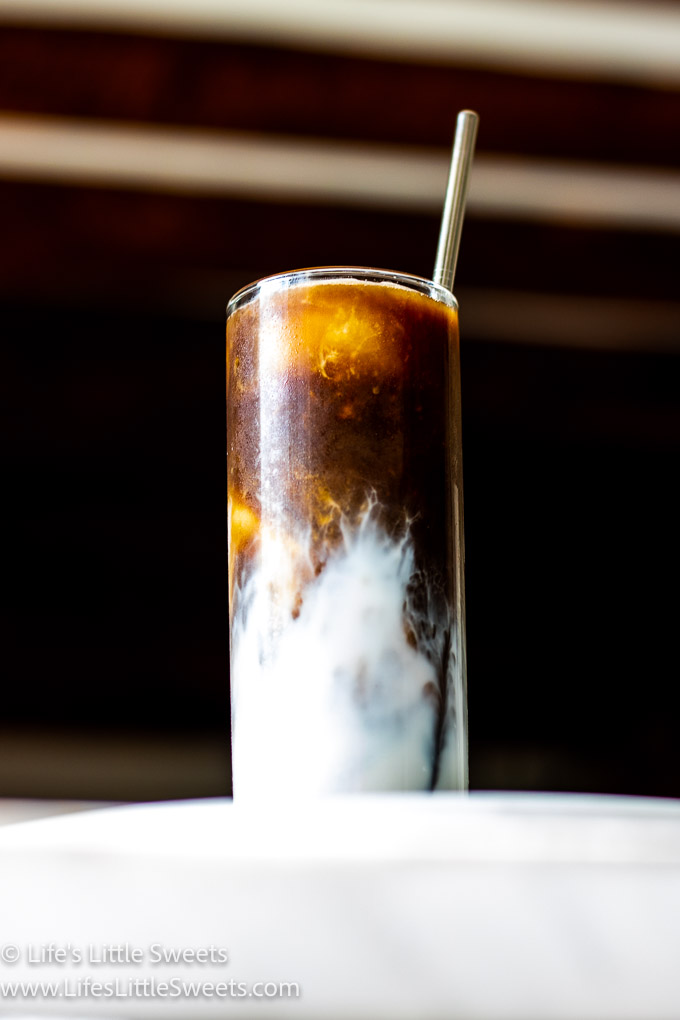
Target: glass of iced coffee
347 629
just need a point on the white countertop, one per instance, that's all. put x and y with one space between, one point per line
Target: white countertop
487 905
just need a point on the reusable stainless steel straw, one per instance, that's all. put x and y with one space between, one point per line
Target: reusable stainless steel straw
456 194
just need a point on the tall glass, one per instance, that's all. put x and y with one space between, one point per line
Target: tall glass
346 600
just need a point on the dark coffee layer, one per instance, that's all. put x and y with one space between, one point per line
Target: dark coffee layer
353 380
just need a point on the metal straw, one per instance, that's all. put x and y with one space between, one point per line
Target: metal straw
456 194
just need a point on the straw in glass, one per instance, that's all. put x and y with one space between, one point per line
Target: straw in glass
456 195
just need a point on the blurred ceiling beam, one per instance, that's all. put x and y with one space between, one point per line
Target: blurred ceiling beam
613 41
275 168
570 320
214 83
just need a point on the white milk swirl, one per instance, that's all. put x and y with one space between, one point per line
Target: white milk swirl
339 691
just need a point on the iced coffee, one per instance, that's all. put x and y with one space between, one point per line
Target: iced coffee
345 535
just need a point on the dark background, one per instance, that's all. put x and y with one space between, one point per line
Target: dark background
114 598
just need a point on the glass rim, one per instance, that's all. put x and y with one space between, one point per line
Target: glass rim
363 274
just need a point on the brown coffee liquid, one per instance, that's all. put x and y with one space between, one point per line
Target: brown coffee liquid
365 372
342 412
